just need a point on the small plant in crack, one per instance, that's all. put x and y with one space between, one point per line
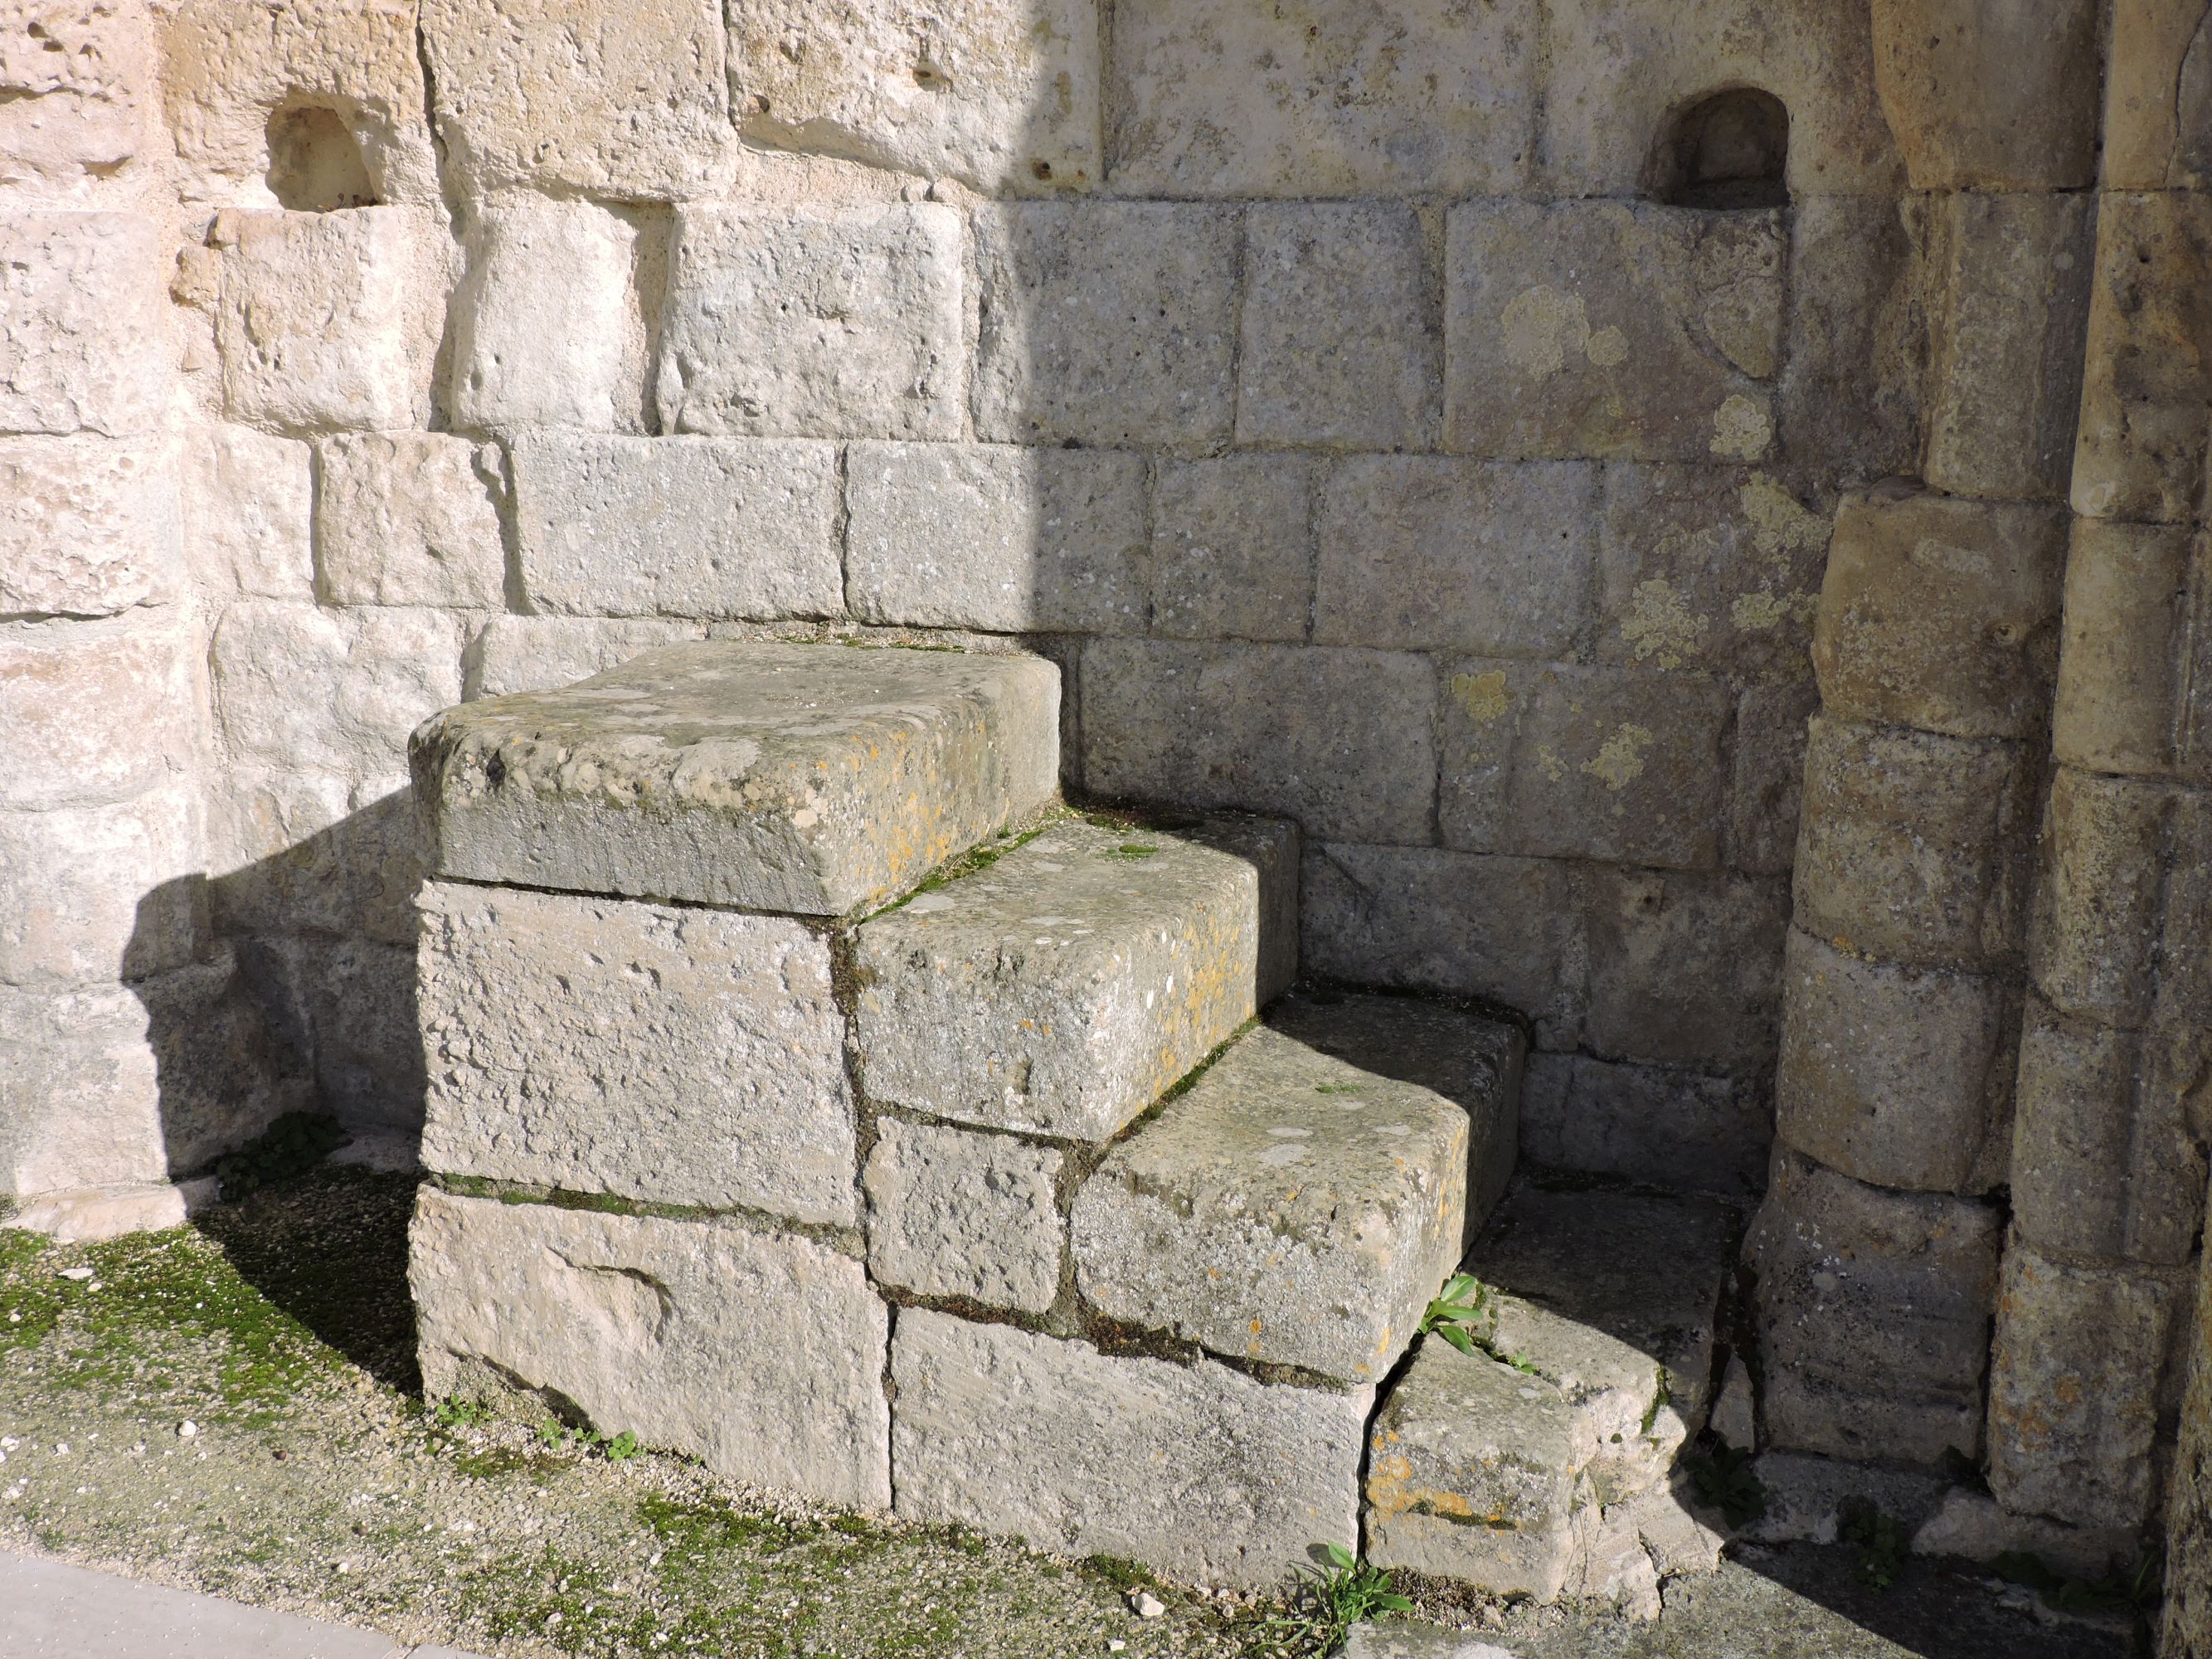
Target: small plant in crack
1346 1591
556 1437
1459 1311
1882 1541
455 1412
1725 1481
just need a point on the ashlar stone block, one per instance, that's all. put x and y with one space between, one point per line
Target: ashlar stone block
544 318
102 893
1990 98
958 1214
1683 966
2095 929
99 712
86 528
1854 360
1668 1126
1198 1471
77 81
303 848
1611 329
1231 554
762 1355
83 323
2135 664
410 518
541 654
2157 121
80 1092
248 511
1766 780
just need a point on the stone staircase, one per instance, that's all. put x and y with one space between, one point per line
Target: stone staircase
812 1093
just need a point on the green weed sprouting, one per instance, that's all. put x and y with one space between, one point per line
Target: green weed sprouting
1882 1541
1725 1481
1458 1311
1346 1592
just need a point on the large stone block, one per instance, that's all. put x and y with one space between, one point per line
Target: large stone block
1321 98
1855 357
1423 551
1766 779
760 1355
360 999
330 320
1339 740
1896 1075
410 518
813 324
546 329
1874 1310
974 1217
2134 665
1560 761
1990 98
1941 613
98 712
808 778
1667 1126
1231 555
248 513
677 1056
617 100
1611 329
2158 104
541 654
87 529
102 893
1370 380
223 1076
1002 95
77 81
84 331
1197 1471
1061 990
2095 930
1683 968
2189 1509
302 848
79 1090
1106 323
995 537
705 527
1913 847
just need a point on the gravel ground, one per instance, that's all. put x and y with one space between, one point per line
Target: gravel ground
232 1409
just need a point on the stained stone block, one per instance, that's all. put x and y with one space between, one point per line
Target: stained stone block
1611 330
677 1056
1198 1471
760 1355
2188 1507
1231 555
98 712
810 778
100 893
87 529
83 323
2135 684
410 518
542 320
705 527
1683 966
248 510
1767 783
540 653
1060 991
2095 933
955 1213
1990 99
1668 1126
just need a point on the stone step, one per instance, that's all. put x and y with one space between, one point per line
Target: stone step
813 780
1301 1202
1060 991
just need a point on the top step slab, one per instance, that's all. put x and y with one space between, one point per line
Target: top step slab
809 779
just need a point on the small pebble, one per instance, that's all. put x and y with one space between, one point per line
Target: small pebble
1146 1605
80 1274
187 1429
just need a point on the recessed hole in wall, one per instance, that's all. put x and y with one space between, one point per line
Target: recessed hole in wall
314 163
930 78
1729 149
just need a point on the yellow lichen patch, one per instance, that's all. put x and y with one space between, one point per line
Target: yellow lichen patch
1741 429
1780 525
1761 613
1659 624
1483 695
1554 768
1542 325
1620 763
1608 346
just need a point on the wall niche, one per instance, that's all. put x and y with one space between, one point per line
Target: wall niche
1728 151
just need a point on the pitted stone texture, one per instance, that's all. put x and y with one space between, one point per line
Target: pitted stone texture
540 653
77 80
677 1056
306 849
1295 1207
360 996
1941 614
2122 861
87 529
708 527
1424 552
83 323
2188 1508
761 1356
1665 1126
1973 1526
248 508
1230 553
1002 95
1061 990
1683 966
102 893
620 99
1105 323
813 324
1855 359
996 536
800 778
1806 1495
1767 783
1321 98
1989 99
1197 1471
1607 329
955 1213
1873 1310
542 319
1473 1474
410 518
2134 665
98 712
330 320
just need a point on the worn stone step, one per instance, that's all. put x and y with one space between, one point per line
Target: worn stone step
1303 1201
1061 990
813 780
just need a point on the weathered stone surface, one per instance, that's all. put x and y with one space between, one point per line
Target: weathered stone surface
1292 1206
1197 1471
304 848
1231 555
1557 760
1973 1526
1612 1568
87 529
1667 1125
223 1076
762 1356
83 325
102 893
410 518
2135 692
1002 95
80 1096
1339 740
1371 379
1472 1474
1873 1310
2011 302
1423 551
677 1056
1608 329
632 526
360 997
955 1213
1715 569
98 712
92 1214
1806 1495
1855 361
1989 97
1061 990
77 80
248 512
995 537
1321 98
1399 1640
541 654
1105 323
2076 1382
795 778
1734 1419
1941 613
622 100
1896 1075
2158 120
1683 966
330 320
813 324
543 316
2188 1509
1912 846
1767 783
2094 931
